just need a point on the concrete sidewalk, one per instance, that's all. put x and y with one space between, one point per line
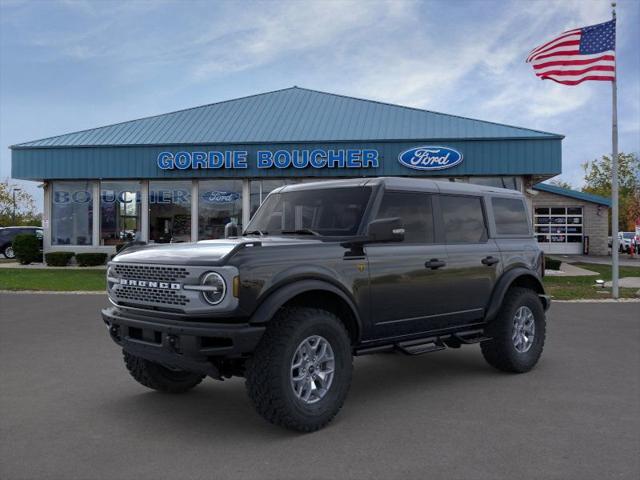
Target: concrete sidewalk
624 259
568 270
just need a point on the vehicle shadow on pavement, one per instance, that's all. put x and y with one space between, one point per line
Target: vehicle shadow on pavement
216 409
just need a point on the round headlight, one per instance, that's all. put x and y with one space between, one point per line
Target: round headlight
215 288
110 277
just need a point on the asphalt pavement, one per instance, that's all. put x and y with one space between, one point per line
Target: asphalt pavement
69 410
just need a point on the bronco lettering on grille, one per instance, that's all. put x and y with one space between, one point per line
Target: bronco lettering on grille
150 284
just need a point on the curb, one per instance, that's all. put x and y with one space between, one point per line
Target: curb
595 300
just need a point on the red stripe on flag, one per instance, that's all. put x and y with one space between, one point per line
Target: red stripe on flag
574 62
576 82
565 34
557 45
600 68
569 51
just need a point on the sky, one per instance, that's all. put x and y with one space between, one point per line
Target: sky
72 65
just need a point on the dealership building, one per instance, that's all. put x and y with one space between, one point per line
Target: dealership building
183 176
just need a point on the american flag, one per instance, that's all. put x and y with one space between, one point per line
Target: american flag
587 53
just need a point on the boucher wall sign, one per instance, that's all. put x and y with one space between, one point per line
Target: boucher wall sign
417 158
266 159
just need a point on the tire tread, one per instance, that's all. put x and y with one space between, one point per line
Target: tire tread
497 350
261 382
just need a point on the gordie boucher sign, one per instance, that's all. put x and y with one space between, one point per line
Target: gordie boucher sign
417 158
238 159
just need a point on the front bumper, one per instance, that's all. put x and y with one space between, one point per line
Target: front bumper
192 346
546 301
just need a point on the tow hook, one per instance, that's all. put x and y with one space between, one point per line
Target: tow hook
172 340
114 331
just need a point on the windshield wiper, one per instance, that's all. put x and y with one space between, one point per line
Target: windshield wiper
255 232
301 231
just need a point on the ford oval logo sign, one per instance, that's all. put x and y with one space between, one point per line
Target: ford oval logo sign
430 158
220 197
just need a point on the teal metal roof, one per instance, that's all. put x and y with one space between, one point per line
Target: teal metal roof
291 115
565 192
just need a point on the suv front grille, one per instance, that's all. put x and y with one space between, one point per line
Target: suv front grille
152 272
145 295
159 296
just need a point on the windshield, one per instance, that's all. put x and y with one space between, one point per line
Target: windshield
628 234
321 211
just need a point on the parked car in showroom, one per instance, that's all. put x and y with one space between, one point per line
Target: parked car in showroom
7 234
323 272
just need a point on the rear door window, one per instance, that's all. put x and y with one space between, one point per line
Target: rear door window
510 215
415 212
463 219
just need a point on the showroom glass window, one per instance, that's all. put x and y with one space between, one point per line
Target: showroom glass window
169 212
119 212
219 202
71 213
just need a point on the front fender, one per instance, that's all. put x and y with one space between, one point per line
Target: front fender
277 298
518 275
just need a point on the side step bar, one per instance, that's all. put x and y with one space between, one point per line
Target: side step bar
422 346
428 344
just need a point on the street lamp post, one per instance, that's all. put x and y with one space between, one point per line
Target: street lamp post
14 203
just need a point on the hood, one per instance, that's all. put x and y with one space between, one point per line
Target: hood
205 252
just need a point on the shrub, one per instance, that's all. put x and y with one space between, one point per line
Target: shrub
58 259
27 248
552 263
90 259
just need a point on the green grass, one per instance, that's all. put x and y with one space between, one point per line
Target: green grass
560 288
52 280
572 288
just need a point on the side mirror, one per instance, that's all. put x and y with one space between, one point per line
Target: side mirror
230 230
385 230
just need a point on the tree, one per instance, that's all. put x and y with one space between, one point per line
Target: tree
597 180
25 207
558 182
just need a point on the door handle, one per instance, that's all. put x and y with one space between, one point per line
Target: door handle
434 264
488 261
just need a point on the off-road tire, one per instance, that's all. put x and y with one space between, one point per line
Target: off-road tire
500 351
156 377
268 373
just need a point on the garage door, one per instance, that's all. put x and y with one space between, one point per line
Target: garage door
559 229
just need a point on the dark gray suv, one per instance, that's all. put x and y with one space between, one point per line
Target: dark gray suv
325 271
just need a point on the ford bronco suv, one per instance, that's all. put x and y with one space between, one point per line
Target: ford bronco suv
323 272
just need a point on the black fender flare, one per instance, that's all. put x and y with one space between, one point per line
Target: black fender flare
281 295
507 279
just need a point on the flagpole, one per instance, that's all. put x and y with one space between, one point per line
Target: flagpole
614 176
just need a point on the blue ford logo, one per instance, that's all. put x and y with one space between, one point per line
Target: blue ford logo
430 158
220 197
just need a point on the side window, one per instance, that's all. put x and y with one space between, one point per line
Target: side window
414 209
511 216
463 219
